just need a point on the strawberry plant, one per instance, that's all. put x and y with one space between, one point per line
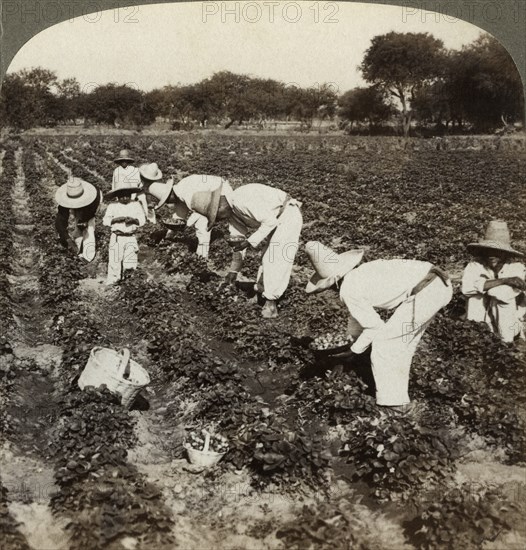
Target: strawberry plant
395 455
464 518
7 178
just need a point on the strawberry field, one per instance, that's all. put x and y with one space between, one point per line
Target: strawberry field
311 461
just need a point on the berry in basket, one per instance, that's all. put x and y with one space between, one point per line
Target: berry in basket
218 443
330 341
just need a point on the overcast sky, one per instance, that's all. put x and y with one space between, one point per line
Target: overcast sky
296 42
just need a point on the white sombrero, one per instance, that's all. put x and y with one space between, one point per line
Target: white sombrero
497 238
150 172
206 203
329 266
161 191
76 193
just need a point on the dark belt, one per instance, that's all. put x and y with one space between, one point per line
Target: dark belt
122 234
433 273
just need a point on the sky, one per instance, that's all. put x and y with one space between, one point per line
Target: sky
302 43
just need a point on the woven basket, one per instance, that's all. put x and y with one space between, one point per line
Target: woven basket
205 457
117 371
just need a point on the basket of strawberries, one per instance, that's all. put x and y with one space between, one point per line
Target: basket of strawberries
205 448
329 344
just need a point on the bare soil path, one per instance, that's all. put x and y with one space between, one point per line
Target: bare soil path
25 471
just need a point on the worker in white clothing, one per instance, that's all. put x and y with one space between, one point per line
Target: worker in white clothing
493 283
126 174
415 290
259 213
180 195
124 216
80 199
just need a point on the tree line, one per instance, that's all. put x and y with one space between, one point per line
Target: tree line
412 79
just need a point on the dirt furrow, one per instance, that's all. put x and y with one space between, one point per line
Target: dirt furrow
33 327
9 527
26 470
65 168
74 162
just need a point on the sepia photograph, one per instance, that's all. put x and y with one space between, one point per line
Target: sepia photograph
262 275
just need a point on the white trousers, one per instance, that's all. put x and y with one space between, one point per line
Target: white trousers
85 240
122 256
201 231
395 343
280 252
499 309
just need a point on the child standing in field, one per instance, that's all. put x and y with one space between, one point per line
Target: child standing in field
124 216
127 175
494 283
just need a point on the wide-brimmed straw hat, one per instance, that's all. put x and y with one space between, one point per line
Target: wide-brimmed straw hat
497 238
161 191
206 203
124 155
76 193
329 266
150 172
121 191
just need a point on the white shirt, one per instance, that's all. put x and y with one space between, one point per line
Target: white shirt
126 177
476 275
383 284
119 210
185 189
255 206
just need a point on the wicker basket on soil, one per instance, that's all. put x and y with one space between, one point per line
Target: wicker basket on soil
213 448
116 371
330 344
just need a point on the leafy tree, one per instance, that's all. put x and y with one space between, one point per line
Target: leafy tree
307 103
119 105
432 104
238 98
70 99
484 84
40 79
365 105
17 107
225 95
401 63
179 104
28 98
269 97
